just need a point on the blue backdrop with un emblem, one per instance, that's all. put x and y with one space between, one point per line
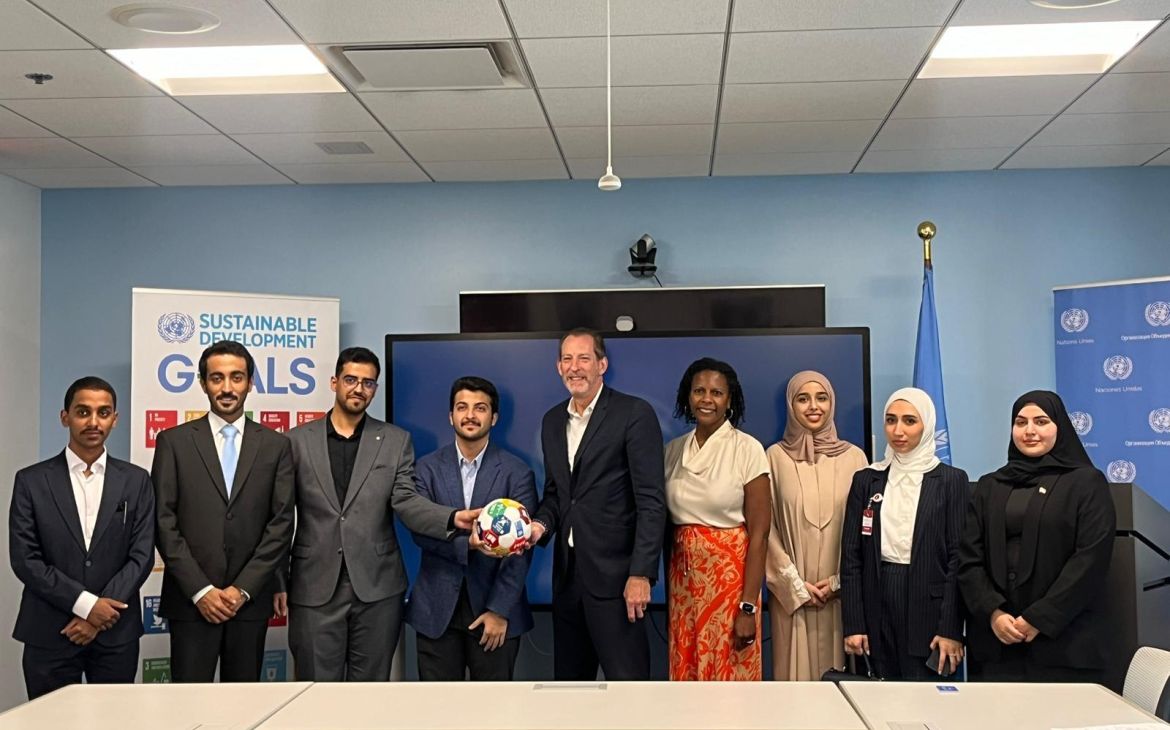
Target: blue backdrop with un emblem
1113 372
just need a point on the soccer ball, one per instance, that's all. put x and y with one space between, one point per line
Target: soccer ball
504 527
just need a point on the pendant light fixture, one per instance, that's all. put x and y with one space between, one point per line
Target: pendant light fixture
609 181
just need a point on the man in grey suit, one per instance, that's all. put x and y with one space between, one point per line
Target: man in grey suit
344 588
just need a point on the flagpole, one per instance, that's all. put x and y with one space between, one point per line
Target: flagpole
926 231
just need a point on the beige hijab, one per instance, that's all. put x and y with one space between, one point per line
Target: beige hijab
799 442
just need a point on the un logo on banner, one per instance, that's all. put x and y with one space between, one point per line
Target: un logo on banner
1160 420
176 327
1121 471
1074 320
1082 422
1118 367
1158 314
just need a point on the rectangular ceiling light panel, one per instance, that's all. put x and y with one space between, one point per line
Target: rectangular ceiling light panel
1037 49
289 69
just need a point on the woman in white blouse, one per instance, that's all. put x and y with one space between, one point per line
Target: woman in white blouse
900 600
718 492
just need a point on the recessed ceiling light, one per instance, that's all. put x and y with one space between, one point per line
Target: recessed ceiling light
1070 4
230 70
167 19
1037 49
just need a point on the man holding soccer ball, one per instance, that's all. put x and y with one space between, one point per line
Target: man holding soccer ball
469 608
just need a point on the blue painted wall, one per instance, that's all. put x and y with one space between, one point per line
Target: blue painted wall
397 255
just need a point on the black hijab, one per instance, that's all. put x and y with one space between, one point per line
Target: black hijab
1067 453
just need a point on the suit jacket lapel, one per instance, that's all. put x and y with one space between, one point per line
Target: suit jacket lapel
61 487
248 451
877 485
373 436
1031 532
204 442
451 478
927 496
595 420
485 478
560 463
319 460
112 490
997 531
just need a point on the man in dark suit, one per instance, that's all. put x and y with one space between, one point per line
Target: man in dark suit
346 578
224 487
81 539
470 609
604 502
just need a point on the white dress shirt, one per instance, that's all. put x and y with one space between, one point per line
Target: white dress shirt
216 423
899 510
575 431
87 493
468 471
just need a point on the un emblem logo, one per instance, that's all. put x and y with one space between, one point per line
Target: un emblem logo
1158 314
1074 320
176 327
1118 367
1082 422
1160 420
1121 471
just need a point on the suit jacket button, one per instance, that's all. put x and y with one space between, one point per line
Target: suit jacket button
88 563
343 518
229 515
339 551
1011 576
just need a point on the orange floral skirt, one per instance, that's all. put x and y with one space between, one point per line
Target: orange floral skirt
706 584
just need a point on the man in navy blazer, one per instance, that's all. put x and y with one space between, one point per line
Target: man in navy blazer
81 539
469 609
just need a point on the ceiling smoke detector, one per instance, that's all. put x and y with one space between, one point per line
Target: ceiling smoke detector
164 19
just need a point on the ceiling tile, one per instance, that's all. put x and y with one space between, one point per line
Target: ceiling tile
932 160
1003 12
367 172
295 149
1138 92
169 150
1106 129
569 18
17 154
956 132
990 97
766 138
75 74
642 167
838 100
1152 54
632 105
1118 155
644 141
81 177
757 15
13 125
112 117
25 27
637 60
497 108
273 113
857 55
455 145
176 175
792 163
379 21
242 23
497 170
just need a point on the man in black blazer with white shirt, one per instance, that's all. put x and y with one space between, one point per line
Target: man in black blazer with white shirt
81 540
224 488
604 503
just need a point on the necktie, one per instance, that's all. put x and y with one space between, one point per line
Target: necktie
228 458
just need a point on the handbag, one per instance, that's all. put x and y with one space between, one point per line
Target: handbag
852 675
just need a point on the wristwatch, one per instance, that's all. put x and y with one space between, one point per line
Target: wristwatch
748 608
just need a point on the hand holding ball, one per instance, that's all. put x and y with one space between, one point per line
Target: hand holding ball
504 527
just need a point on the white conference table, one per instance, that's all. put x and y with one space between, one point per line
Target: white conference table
982 705
153 706
569 706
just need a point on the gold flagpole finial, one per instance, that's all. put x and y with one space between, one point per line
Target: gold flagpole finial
926 231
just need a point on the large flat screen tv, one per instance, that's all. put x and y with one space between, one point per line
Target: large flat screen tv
420 369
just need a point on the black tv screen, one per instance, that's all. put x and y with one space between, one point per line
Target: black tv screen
421 368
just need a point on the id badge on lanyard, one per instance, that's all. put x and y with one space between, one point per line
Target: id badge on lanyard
867 515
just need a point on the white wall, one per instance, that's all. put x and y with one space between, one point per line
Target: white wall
20 383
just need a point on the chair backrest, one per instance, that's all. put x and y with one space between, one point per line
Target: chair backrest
1145 682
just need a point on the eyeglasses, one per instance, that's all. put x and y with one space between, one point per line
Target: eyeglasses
352 380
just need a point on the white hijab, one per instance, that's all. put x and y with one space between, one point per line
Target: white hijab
908 468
